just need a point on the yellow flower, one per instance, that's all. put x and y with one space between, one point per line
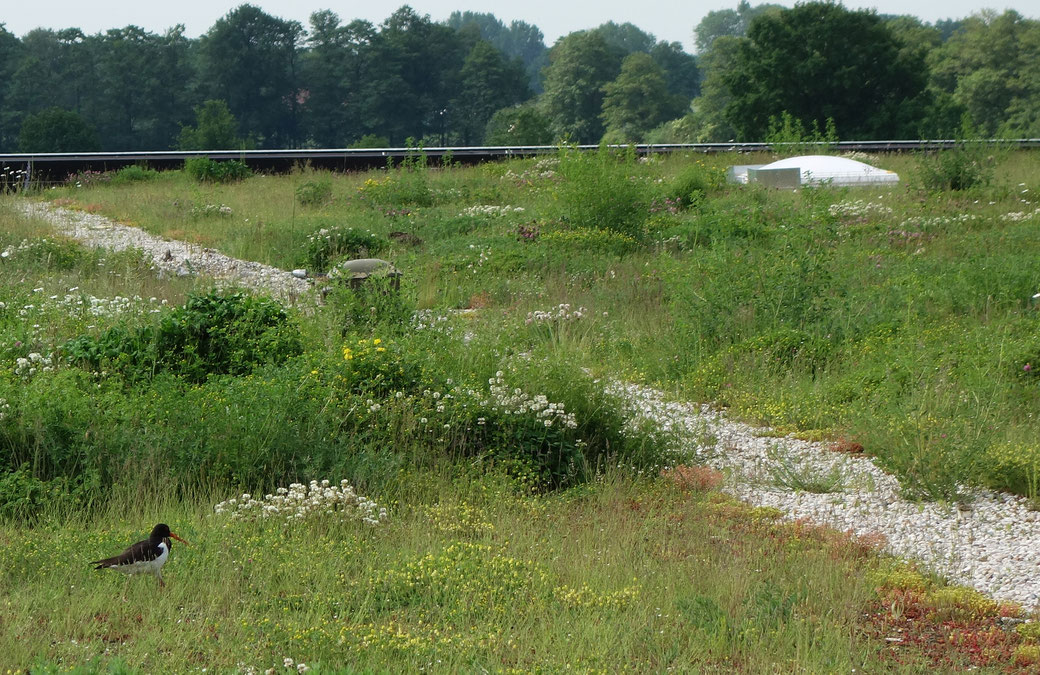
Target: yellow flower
347 354
376 341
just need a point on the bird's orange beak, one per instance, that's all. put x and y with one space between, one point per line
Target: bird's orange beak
179 539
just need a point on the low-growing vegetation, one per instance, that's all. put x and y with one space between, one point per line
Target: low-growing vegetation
513 517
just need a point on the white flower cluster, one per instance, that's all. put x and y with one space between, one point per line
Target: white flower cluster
859 209
490 210
27 367
517 402
425 319
299 502
484 254
4 407
543 169
211 210
1019 216
24 246
329 234
560 314
924 222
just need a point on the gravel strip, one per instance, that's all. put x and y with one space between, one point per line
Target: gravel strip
170 257
993 545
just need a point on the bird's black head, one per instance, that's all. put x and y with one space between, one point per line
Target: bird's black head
161 532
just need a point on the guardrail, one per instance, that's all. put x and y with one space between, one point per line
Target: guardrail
48 167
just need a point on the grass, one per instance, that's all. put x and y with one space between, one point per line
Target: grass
897 319
619 575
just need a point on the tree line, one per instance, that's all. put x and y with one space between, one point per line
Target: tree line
256 80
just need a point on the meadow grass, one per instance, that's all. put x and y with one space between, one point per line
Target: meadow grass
897 318
619 575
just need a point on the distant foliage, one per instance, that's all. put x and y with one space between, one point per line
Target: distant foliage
206 170
57 130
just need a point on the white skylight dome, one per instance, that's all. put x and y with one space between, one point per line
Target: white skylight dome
826 169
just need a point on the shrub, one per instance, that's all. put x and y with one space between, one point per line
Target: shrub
329 244
692 184
966 166
602 190
211 334
314 192
406 184
133 174
206 170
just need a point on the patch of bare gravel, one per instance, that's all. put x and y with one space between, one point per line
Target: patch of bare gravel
170 257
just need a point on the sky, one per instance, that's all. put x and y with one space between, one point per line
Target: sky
671 20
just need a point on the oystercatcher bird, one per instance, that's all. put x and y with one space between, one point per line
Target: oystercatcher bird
144 557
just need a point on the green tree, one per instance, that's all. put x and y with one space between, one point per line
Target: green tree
10 55
414 71
626 37
250 59
579 65
334 70
487 83
215 129
991 67
728 23
143 87
57 130
519 125
681 71
637 100
518 40
56 69
820 61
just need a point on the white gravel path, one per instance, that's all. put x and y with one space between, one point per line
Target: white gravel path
993 545
170 256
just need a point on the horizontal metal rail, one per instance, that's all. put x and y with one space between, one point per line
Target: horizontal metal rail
27 167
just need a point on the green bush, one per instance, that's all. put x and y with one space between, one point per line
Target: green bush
330 244
211 334
133 174
206 170
967 166
690 186
405 185
602 190
314 192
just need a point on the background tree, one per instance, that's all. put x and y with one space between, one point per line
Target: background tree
487 82
55 70
215 129
728 23
518 40
820 61
250 60
637 100
415 66
57 130
579 65
519 125
989 66
143 81
681 72
10 55
334 71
